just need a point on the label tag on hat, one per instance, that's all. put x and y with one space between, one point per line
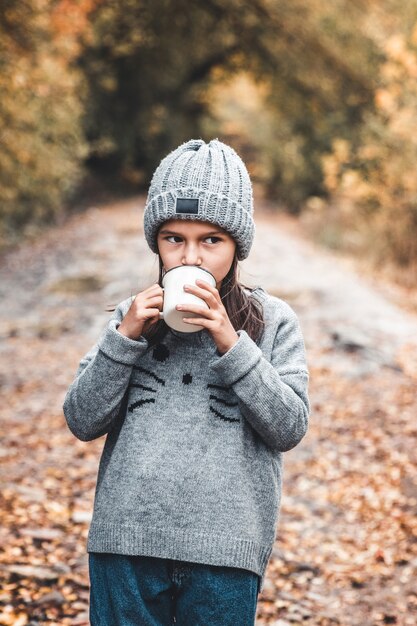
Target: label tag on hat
187 205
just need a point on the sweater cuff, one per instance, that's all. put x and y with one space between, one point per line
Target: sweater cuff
237 361
119 347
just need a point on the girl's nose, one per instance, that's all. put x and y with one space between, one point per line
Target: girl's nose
191 259
191 263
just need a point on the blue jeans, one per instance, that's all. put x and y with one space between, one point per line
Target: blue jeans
148 591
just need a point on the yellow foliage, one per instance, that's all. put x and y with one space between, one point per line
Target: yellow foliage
378 178
40 115
385 101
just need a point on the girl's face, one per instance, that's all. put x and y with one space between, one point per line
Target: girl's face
192 242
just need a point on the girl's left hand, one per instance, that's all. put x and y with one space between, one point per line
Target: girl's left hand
214 319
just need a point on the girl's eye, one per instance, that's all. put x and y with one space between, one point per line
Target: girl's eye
173 236
176 237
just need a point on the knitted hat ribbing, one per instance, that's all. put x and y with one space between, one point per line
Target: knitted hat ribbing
206 182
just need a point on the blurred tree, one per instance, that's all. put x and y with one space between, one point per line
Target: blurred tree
322 85
42 143
151 65
371 178
373 184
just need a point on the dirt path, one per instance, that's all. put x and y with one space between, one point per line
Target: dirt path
346 551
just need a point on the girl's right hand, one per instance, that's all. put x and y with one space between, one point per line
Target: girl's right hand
143 312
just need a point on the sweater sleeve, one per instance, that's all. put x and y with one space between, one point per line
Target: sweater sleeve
93 400
273 396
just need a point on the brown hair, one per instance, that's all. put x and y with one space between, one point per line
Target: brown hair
245 311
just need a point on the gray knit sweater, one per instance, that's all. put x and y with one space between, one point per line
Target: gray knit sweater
192 463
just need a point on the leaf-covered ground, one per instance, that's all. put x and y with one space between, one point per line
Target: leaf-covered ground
346 547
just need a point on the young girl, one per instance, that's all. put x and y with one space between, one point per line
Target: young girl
189 482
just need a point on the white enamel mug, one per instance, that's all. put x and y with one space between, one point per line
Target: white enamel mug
173 286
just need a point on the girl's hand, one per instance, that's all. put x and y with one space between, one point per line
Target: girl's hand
214 319
143 312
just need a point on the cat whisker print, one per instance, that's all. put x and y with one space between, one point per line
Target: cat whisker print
141 402
211 397
140 386
135 405
216 412
145 371
223 417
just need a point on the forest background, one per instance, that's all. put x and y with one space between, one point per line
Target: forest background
320 99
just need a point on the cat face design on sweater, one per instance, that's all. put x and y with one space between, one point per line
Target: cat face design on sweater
153 385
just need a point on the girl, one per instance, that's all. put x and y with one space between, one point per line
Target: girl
189 483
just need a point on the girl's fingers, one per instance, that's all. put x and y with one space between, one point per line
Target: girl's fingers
213 290
154 298
194 320
152 314
201 293
153 288
148 293
192 308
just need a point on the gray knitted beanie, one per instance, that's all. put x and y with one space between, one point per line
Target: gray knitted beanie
206 182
